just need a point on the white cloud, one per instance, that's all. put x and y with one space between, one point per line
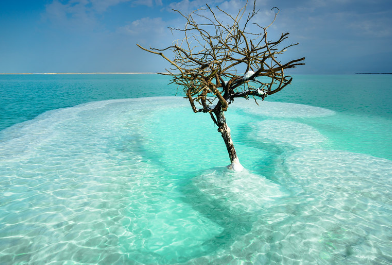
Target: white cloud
378 27
233 6
102 5
73 13
145 26
187 6
149 3
143 2
83 13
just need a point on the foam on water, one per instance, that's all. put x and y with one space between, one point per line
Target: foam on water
135 182
239 191
337 210
286 110
20 137
288 133
344 209
82 191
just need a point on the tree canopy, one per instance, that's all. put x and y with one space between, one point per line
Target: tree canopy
223 57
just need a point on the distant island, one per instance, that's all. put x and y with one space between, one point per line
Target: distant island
373 73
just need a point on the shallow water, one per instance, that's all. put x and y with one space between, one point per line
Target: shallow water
143 181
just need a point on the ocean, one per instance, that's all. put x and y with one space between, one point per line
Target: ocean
117 169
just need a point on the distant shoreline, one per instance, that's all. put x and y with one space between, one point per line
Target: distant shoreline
147 73
373 73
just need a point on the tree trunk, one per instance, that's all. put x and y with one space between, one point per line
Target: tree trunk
225 132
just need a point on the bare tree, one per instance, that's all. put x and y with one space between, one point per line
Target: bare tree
208 60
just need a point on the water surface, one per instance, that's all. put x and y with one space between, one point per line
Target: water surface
143 180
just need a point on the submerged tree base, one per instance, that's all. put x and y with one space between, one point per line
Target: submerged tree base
235 165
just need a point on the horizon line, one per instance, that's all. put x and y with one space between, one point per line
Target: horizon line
93 73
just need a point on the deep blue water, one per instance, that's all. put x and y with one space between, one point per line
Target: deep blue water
133 176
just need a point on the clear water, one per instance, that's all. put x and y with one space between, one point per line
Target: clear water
143 180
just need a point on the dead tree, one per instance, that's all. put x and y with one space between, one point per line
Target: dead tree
217 62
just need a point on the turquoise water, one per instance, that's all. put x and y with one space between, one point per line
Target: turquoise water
132 176
23 97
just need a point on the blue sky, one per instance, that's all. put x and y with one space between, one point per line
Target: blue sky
335 36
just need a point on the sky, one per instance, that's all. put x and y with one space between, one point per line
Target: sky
41 36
